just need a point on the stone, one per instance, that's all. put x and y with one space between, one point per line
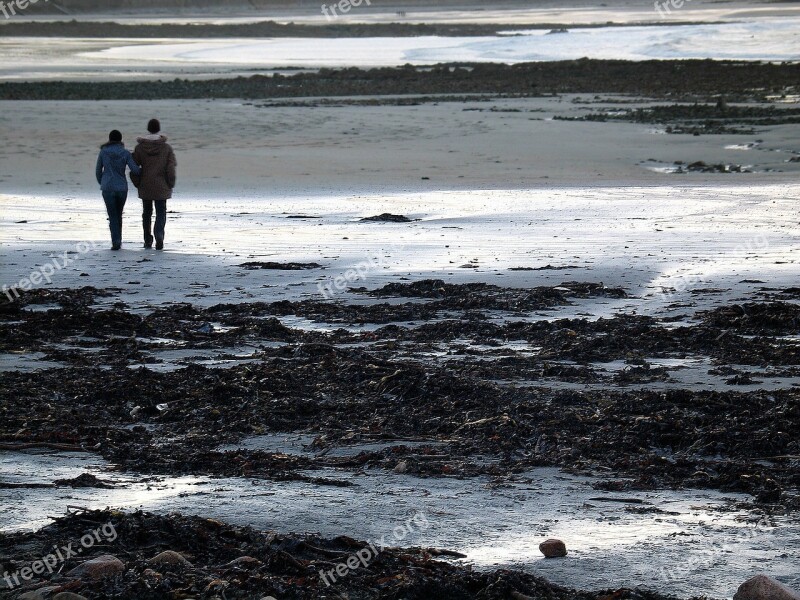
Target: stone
216 585
68 596
243 562
98 568
151 578
169 558
553 548
762 587
43 593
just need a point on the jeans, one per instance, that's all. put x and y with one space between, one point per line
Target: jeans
115 203
161 220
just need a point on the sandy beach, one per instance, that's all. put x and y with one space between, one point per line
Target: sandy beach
435 328
246 166
231 148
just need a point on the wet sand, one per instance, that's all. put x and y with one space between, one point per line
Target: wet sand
236 148
194 314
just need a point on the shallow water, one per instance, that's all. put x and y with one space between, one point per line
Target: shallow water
752 38
664 245
731 238
700 542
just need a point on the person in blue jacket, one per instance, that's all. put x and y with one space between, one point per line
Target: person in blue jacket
110 172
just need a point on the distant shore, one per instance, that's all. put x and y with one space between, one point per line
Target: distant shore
682 79
272 29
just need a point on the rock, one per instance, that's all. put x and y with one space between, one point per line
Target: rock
98 568
553 548
168 558
86 480
401 467
151 577
42 593
243 562
216 585
389 217
277 266
762 587
68 596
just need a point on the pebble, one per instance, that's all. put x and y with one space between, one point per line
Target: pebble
98 568
243 562
151 577
553 548
762 587
169 558
42 593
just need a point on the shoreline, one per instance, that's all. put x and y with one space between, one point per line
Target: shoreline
677 79
520 12
340 148
272 29
196 554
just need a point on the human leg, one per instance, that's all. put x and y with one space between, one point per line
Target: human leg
122 197
161 222
147 215
112 202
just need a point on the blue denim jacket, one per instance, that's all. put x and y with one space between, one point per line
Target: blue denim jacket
110 170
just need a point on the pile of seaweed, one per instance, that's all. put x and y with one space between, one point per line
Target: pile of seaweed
478 406
697 118
152 557
264 29
681 80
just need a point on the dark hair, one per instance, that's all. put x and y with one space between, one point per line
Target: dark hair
153 126
115 136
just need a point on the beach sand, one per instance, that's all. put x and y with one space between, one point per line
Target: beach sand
498 181
295 401
230 148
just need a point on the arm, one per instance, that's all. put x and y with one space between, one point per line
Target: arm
98 170
171 164
136 177
135 168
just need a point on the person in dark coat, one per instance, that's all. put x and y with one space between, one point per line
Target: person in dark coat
156 182
110 173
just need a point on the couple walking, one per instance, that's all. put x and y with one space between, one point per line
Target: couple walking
152 166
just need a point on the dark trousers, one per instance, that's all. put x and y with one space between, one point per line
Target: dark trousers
161 220
115 203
